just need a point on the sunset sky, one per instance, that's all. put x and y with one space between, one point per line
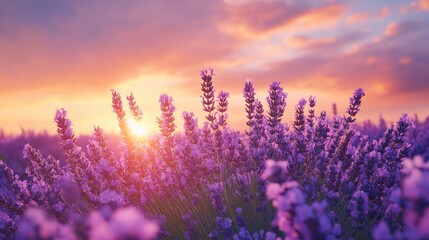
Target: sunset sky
69 54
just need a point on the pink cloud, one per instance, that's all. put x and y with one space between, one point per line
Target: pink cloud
75 47
265 16
300 41
391 65
384 12
357 18
405 60
402 28
419 5
424 5
391 29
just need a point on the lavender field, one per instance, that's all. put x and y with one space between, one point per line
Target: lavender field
314 123
320 175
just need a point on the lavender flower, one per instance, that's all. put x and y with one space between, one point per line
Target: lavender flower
212 182
166 122
208 98
18 187
222 107
359 209
190 126
334 109
36 225
124 223
134 108
354 106
311 116
123 125
249 98
277 103
76 159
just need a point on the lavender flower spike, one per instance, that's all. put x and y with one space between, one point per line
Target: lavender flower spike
208 98
354 106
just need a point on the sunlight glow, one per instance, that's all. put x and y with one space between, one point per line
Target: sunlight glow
137 129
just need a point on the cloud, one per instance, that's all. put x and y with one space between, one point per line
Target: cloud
259 18
88 45
399 61
357 18
391 29
424 5
419 5
301 41
330 45
395 65
384 12
402 28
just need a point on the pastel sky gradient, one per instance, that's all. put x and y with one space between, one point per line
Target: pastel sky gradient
69 54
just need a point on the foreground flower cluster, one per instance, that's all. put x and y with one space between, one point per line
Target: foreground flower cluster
317 178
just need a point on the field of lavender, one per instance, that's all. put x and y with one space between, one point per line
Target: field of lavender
319 177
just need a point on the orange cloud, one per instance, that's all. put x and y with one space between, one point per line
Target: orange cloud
370 60
419 5
87 51
357 18
260 18
391 29
300 41
322 16
424 5
384 12
405 60
403 28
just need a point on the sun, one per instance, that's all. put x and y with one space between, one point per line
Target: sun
137 129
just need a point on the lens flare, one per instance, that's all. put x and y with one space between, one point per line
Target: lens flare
137 129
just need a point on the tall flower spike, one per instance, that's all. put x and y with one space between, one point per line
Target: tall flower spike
98 136
276 104
355 102
208 98
40 168
401 129
166 122
167 127
222 107
259 113
125 130
80 165
299 123
359 209
299 126
311 116
334 109
134 108
258 132
190 125
64 130
249 98
18 187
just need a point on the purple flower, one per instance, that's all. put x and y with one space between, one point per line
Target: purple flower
36 225
222 107
124 223
275 171
208 98
354 106
134 108
276 103
249 98
108 196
